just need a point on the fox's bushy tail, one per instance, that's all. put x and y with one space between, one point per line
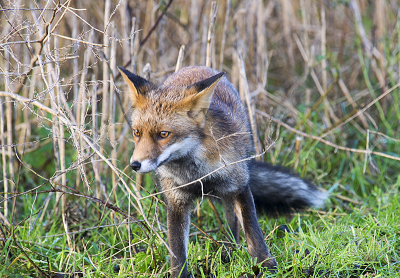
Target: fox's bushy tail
276 190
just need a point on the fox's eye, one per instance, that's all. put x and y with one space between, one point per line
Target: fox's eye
136 133
164 134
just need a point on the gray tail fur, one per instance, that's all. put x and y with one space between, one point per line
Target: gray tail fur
276 190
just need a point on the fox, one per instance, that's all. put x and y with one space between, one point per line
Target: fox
193 131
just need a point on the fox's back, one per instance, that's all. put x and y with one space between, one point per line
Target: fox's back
227 116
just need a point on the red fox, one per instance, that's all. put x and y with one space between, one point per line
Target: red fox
191 125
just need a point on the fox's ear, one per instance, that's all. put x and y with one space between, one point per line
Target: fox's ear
137 85
203 91
200 97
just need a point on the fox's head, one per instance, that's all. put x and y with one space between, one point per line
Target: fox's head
167 121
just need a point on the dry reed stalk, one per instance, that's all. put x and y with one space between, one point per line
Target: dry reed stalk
161 42
75 67
148 22
286 18
146 73
153 41
139 53
57 126
133 46
261 45
4 151
100 188
113 102
297 151
224 34
18 110
213 52
235 71
203 54
245 87
194 31
179 61
79 106
251 40
240 27
380 33
23 113
80 118
9 121
125 19
30 95
323 64
323 48
305 7
105 101
3 157
396 35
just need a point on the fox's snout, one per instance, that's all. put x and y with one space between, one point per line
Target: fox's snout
135 165
143 165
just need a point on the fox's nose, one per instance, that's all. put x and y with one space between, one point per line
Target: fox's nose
135 165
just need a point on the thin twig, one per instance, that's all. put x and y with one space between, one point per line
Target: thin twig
180 58
211 27
207 235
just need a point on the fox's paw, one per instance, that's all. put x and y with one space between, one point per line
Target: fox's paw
270 264
268 267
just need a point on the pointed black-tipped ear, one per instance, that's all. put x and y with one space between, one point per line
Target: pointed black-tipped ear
199 99
203 91
137 85
206 83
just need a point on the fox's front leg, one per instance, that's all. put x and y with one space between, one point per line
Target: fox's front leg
246 212
178 221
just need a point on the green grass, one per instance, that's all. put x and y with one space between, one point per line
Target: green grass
355 238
